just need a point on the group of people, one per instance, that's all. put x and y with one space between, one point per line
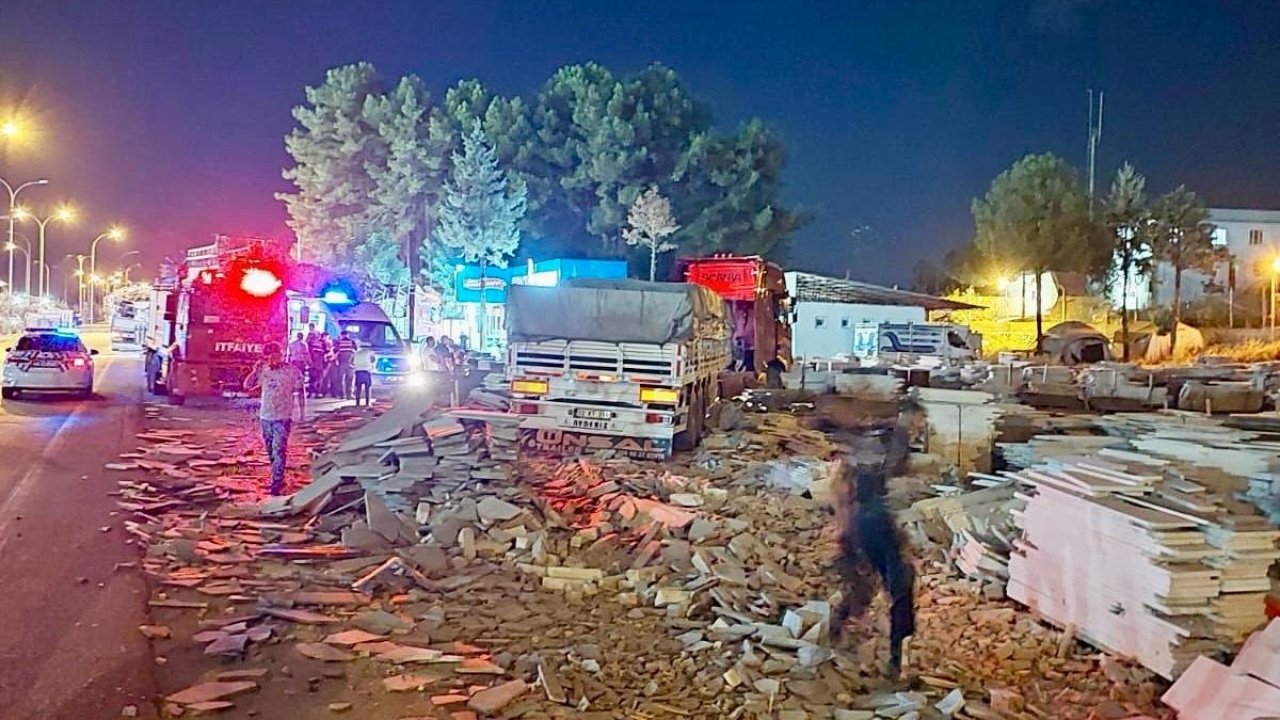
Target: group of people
332 367
444 355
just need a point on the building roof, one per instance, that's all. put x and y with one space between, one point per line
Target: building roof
819 288
1243 215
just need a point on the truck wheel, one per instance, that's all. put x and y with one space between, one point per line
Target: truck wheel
687 439
8 393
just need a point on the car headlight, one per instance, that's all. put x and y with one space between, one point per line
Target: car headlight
416 379
414 362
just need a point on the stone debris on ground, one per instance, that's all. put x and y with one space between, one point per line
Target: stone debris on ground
418 559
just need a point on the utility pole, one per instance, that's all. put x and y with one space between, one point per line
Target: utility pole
1095 136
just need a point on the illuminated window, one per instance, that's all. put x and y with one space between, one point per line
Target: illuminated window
1219 237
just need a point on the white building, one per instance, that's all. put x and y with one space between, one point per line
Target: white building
826 310
1251 237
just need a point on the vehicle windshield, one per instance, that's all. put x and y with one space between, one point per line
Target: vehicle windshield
374 335
50 343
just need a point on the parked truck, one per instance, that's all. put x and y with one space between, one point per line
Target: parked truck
129 323
621 365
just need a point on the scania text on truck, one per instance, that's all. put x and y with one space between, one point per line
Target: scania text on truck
621 365
756 292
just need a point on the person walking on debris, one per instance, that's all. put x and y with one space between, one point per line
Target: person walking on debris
871 542
282 387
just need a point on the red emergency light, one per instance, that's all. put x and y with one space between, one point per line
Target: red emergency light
260 282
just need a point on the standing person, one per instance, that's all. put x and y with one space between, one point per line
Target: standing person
326 367
344 353
428 353
282 390
298 354
315 344
363 364
444 354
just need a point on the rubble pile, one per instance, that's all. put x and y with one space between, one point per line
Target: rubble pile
423 573
1250 687
1150 567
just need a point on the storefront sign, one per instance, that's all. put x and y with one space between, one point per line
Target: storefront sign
489 283
559 443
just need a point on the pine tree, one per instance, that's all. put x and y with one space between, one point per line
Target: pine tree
333 148
1128 221
482 209
1183 238
1037 216
649 223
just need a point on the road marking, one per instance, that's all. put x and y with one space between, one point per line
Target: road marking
25 484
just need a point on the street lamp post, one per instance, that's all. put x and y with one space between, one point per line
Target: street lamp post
62 214
80 284
46 274
13 210
115 233
26 253
126 271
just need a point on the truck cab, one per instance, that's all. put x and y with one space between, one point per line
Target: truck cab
129 324
944 340
395 363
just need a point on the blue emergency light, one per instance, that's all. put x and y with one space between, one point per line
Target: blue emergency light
336 297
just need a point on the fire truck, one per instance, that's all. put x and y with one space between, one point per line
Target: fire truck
760 308
209 324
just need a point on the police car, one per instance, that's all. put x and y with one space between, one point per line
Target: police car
48 360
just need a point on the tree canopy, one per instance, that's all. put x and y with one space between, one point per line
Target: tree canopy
370 163
1036 218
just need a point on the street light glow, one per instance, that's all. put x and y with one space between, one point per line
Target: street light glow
66 213
1275 264
1002 283
116 232
21 213
10 128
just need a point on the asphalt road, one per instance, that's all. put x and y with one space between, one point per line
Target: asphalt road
69 643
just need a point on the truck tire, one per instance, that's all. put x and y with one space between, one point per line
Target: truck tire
8 393
688 438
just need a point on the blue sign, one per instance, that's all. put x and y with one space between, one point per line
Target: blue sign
470 285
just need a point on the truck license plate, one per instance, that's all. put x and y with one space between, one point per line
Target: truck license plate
589 414
584 424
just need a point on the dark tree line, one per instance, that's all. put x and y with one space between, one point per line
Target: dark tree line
372 160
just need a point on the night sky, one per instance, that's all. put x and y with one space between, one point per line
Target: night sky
169 116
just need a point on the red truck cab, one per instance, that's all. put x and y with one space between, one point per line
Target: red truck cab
756 292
